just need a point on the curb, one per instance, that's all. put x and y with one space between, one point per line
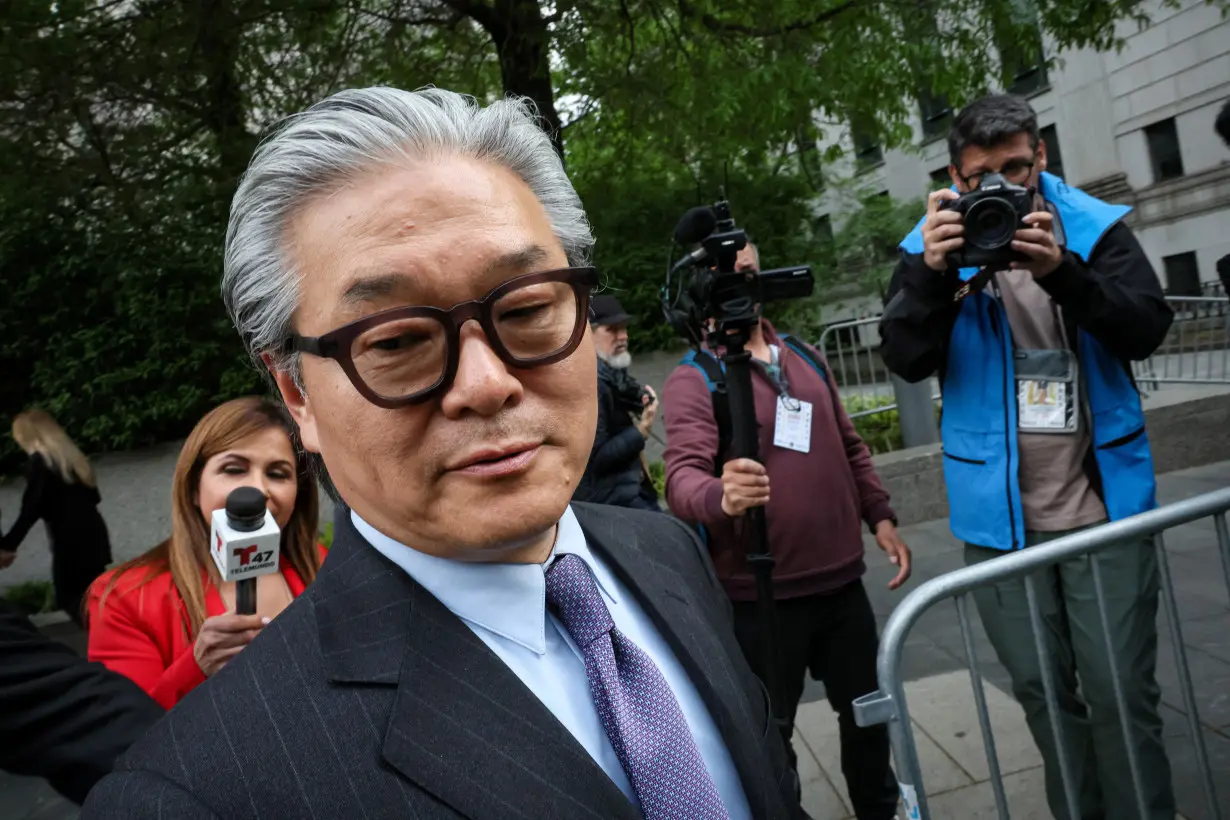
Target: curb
53 618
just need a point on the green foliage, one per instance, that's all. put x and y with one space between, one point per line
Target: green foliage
32 597
881 432
326 535
123 129
657 474
859 259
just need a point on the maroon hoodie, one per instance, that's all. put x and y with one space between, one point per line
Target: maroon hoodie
817 500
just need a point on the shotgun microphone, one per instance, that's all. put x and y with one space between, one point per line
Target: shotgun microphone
244 542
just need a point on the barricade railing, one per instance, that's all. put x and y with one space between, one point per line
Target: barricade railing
1195 351
852 351
888 705
1197 348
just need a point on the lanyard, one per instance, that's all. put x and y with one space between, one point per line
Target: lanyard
775 373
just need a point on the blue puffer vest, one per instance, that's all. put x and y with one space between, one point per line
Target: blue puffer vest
980 414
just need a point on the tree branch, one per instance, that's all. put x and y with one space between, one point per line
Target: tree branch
479 12
717 26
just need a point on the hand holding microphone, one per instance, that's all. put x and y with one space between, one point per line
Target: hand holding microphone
244 541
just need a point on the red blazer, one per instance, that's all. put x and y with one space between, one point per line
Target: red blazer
142 631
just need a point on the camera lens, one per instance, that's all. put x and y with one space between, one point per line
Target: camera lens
990 223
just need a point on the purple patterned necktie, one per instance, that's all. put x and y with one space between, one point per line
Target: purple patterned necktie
638 710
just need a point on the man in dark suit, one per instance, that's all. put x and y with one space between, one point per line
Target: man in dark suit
62 717
411 268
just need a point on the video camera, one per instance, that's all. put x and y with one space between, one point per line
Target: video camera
992 213
714 289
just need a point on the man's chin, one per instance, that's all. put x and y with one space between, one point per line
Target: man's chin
486 514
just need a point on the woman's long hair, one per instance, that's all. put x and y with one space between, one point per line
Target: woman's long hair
35 431
186 553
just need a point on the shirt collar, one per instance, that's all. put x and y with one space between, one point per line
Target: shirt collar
509 600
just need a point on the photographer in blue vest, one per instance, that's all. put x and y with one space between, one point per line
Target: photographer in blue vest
1030 298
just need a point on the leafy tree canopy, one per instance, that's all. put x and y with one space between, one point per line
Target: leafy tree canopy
124 125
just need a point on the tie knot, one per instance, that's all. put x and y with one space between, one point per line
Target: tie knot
575 596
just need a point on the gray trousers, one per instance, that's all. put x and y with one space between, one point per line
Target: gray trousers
1076 648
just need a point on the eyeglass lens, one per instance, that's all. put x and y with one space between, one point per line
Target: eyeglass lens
407 356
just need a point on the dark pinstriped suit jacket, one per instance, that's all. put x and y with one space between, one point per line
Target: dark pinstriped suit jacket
367 698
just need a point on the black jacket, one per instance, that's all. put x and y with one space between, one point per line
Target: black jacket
75 529
614 474
1116 298
61 716
368 698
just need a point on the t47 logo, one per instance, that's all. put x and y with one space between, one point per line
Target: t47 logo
250 555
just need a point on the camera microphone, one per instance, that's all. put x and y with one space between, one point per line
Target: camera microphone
244 543
695 225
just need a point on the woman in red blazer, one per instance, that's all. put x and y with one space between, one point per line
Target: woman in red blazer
163 619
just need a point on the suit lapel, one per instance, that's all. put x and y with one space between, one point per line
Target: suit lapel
462 725
688 625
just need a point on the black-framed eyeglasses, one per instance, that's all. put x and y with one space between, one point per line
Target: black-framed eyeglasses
1015 171
409 355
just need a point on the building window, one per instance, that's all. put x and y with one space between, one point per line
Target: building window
1054 157
1164 153
1182 274
1023 57
940 178
936 115
867 152
823 227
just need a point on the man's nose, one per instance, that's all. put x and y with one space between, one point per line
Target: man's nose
482 383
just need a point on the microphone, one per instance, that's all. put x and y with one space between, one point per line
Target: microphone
698 255
244 541
695 225
692 227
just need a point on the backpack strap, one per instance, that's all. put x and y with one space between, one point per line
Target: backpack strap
715 379
808 354
813 358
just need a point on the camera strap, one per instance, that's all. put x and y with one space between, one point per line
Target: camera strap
975 284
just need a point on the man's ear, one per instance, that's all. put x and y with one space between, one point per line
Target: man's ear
297 404
1040 162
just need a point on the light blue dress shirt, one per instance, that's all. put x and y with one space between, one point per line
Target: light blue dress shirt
505 605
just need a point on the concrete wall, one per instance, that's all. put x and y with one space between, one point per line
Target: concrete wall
1182 433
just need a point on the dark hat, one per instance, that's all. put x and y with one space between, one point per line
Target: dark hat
606 310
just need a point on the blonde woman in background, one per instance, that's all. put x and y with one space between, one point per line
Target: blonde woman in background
62 491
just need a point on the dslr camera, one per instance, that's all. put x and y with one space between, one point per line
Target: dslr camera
629 394
992 214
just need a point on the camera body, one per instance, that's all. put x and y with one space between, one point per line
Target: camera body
992 214
629 394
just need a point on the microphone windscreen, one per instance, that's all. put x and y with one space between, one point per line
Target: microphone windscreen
695 225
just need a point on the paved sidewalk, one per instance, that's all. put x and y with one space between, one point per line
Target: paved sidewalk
940 694
939 690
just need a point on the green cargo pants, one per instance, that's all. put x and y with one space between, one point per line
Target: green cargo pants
1076 647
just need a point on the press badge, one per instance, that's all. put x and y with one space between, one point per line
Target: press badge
793 428
1047 391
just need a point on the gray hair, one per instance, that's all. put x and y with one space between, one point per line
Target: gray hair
318 150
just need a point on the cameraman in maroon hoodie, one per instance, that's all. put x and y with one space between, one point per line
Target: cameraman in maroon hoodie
819 487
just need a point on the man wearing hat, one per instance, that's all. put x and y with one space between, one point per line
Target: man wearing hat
616 472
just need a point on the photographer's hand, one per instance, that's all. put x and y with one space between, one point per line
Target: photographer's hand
650 403
745 484
1038 243
943 232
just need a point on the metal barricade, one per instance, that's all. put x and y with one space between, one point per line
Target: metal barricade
1197 348
888 704
851 349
